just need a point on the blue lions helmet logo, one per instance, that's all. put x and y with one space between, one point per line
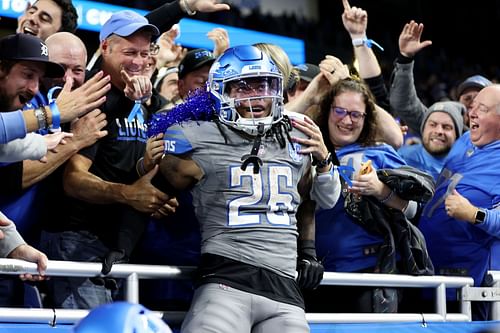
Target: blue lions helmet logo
294 152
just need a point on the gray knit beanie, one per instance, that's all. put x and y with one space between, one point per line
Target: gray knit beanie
454 109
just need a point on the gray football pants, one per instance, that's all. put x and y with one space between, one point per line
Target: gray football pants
218 308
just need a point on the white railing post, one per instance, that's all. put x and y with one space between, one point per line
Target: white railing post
493 279
441 300
132 288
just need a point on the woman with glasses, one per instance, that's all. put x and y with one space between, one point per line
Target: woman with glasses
347 121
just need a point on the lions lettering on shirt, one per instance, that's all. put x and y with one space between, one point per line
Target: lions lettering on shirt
235 206
131 131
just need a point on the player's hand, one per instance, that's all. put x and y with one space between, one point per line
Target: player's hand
309 268
113 257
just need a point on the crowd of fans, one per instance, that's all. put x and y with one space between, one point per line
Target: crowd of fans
340 166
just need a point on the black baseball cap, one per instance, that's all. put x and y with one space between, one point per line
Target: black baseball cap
195 59
29 48
307 72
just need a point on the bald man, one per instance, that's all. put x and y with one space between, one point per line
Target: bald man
68 50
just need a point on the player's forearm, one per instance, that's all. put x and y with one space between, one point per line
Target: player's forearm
305 220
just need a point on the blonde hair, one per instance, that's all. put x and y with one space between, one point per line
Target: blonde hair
280 59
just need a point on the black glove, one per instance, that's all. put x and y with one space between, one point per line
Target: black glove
113 257
309 268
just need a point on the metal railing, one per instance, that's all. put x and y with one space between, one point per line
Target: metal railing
493 295
133 273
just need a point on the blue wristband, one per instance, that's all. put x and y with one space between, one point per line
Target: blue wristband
56 115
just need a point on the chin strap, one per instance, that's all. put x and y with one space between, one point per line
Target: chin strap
252 157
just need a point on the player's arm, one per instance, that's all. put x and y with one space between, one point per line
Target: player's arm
180 171
310 271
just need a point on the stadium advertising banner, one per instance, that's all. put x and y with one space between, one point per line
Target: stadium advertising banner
91 16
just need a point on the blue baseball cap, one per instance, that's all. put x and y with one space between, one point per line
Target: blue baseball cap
475 82
124 23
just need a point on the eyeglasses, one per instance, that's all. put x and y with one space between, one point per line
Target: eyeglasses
154 49
341 113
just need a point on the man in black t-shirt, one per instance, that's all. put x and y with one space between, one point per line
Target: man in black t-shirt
103 188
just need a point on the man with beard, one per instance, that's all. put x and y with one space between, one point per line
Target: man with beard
442 124
19 82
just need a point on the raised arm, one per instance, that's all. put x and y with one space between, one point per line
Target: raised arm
355 21
403 97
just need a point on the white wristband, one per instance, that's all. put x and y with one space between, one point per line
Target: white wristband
359 41
366 41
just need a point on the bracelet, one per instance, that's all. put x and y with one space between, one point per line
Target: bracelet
139 167
185 7
41 117
388 197
56 115
367 42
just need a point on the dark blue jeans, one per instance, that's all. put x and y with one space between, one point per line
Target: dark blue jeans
74 292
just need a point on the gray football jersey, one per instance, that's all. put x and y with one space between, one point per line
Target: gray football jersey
244 216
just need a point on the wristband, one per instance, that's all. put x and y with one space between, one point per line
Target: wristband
320 164
185 7
56 115
367 42
139 167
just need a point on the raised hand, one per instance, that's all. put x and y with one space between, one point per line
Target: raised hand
314 143
170 54
355 20
409 39
87 97
334 69
220 37
206 6
154 152
137 87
